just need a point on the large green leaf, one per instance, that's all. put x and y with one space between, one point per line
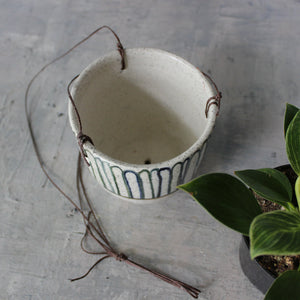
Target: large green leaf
293 143
285 287
290 113
275 233
226 198
270 184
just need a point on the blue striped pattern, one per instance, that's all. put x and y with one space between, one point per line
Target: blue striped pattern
145 184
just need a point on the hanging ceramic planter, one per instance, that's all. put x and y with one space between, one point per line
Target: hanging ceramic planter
96 87
149 123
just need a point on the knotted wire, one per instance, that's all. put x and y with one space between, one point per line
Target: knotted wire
214 100
93 229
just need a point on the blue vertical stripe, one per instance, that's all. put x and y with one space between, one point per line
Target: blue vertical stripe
115 183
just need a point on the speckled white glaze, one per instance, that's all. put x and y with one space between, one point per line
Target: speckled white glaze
154 110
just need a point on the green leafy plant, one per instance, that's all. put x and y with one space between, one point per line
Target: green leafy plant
230 201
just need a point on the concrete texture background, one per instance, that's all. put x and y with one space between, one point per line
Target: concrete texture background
251 48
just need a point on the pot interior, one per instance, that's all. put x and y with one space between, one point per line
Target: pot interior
148 113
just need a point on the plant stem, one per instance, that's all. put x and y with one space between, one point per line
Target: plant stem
297 191
291 207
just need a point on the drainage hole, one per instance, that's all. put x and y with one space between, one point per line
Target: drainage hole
147 161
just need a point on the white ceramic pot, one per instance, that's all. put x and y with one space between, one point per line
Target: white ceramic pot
147 122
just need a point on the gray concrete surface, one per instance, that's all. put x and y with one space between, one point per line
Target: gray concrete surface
251 48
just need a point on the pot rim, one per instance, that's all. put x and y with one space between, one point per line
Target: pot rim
199 143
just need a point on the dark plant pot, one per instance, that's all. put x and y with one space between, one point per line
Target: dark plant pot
261 278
